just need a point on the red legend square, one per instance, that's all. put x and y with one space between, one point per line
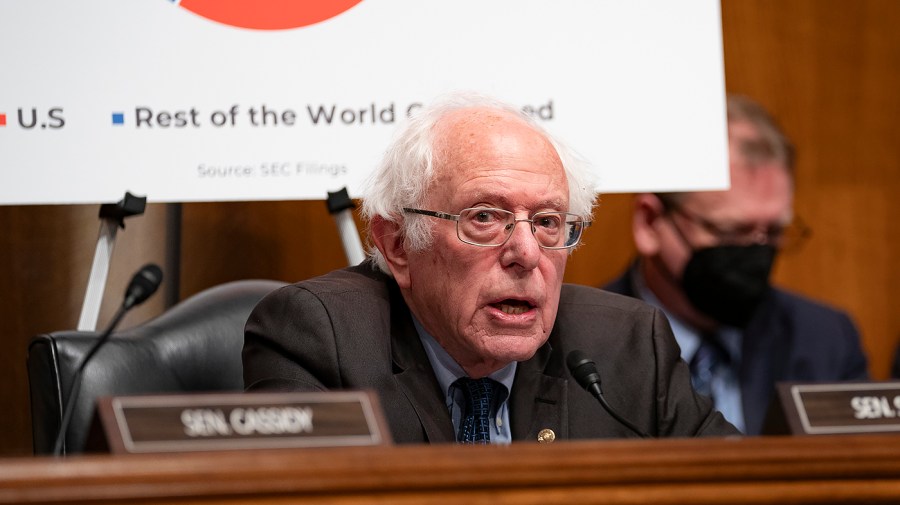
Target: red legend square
2 119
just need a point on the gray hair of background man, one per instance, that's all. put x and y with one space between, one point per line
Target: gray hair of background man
774 144
403 178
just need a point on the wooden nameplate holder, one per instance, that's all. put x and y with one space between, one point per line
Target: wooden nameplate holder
233 421
835 408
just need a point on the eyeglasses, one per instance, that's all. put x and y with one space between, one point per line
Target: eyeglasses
787 237
489 227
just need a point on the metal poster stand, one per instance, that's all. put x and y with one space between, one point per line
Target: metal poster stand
340 206
112 217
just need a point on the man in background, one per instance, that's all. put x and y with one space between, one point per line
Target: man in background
705 260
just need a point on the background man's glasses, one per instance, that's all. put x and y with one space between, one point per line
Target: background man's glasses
787 237
489 227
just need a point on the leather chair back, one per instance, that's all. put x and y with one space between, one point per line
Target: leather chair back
195 346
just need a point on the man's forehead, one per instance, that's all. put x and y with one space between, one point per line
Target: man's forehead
468 134
531 186
757 194
506 201
466 126
749 144
486 155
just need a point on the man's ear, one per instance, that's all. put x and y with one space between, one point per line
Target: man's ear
648 210
389 240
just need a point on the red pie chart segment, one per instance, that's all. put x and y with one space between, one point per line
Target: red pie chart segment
268 14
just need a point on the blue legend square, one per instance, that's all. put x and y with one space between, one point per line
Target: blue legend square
118 118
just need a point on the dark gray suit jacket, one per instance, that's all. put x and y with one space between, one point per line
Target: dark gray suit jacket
351 329
789 339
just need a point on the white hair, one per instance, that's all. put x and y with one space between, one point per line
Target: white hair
403 177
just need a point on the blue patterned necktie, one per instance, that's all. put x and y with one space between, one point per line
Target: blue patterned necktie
704 363
479 394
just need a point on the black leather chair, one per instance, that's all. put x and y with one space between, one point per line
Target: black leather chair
195 346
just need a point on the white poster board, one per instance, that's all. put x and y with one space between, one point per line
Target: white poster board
167 99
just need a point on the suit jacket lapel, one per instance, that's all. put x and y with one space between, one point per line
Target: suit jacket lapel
539 397
416 379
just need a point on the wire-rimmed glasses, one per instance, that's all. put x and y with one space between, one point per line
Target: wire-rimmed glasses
490 227
785 237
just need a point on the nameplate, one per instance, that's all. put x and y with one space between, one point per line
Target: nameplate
233 421
840 408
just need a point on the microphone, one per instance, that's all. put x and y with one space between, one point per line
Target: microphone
144 283
584 370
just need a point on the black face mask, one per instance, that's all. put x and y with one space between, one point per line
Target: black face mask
728 282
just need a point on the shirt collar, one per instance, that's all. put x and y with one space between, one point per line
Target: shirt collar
687 336
447 370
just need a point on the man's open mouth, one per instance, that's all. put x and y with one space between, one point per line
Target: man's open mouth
513 307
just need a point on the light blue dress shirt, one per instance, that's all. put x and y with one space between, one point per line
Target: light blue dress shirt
726 386
447 370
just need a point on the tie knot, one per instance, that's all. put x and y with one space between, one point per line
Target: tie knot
478 390
479 396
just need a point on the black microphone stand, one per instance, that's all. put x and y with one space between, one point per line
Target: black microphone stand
142 285
598 394
76 380
585 372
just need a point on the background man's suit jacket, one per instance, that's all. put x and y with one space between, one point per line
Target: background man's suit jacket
789 338
351 329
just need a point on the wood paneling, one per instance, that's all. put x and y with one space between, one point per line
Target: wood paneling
829 70
46 253
287 241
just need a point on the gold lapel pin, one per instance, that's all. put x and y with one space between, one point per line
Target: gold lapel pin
546 436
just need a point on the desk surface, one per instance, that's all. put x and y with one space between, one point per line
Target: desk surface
821 470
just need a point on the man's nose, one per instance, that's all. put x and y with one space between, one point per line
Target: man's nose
522 248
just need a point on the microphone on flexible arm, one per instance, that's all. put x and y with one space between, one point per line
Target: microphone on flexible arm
585 372
144 283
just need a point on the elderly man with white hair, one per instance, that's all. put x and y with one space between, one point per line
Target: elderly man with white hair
460 320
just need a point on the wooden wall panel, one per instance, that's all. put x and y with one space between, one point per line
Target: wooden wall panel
46 253
287 241
608 248
829 70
